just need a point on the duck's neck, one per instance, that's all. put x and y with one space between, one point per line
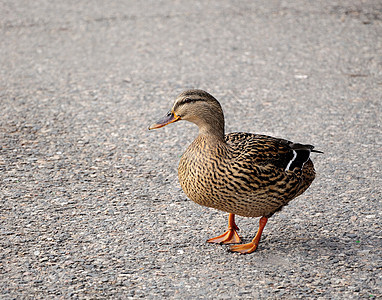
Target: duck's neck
211 135
210 141
212 130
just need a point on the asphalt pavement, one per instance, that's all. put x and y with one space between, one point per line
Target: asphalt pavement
91 207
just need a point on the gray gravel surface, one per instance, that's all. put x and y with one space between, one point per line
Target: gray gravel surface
90 202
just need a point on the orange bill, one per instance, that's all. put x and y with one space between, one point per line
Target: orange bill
170 117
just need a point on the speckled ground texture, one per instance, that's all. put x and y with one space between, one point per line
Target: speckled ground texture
91 207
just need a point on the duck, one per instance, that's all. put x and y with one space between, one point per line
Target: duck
245 174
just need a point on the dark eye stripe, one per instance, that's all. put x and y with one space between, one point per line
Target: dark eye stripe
189 100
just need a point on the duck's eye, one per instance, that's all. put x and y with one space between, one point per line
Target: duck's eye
189 100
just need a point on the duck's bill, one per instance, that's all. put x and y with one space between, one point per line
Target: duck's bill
167 119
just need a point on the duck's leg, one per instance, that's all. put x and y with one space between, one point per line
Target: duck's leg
250 247
230 236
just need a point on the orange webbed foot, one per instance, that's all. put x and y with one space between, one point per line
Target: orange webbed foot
230 236
245 248
252 246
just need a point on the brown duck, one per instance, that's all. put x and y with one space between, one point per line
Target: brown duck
244 174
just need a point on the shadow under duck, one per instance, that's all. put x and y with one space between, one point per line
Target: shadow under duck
244 174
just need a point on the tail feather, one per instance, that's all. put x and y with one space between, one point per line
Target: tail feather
300 155
317 151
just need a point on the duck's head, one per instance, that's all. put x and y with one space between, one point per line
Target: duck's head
198 107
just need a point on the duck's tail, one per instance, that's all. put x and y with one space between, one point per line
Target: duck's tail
301 154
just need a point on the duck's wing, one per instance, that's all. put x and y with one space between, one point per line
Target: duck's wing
262 150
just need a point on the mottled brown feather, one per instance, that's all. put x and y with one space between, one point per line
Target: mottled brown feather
246 174
243 175
240 173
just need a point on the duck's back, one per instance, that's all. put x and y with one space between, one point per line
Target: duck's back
249 175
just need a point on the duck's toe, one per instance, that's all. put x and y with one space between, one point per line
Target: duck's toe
229 237
245 248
